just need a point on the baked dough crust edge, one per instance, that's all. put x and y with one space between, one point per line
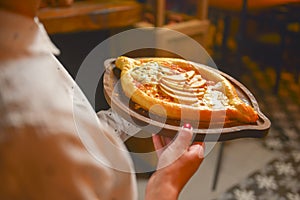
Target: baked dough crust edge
236 111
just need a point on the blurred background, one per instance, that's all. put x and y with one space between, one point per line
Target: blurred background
256 42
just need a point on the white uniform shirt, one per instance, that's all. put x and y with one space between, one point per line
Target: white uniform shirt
52 145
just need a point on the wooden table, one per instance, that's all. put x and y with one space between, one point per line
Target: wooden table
90 15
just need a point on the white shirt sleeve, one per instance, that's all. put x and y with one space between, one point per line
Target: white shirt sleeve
52 145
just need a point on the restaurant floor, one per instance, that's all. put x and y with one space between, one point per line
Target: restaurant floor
251 169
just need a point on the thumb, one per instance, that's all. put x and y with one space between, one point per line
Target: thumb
182 141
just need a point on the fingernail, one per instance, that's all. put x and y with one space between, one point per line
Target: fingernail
200 143
199 149
188 126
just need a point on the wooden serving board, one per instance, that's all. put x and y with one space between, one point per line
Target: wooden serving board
169 127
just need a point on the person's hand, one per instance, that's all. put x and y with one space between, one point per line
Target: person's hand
176 165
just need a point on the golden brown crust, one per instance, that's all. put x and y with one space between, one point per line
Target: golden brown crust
237 110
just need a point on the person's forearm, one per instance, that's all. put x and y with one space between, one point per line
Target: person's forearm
161 187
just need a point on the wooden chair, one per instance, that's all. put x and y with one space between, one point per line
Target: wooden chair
263 34
273 37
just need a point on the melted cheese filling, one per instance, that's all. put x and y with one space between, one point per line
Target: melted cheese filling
170 85
215 98
150 72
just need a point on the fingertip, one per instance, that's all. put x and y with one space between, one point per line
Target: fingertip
197 148
201 144
185 135
187 126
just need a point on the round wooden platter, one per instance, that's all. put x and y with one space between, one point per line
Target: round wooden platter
169 127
